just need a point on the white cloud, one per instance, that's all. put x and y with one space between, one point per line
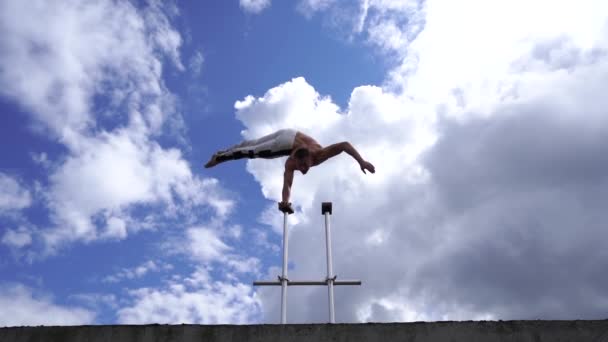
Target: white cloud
486 138
260 238
484 169
254 6
17 238
96 300
200 298
21 306
119 170
205 246
310 7
58 68
115 228
13 196
296 104
483 47
41 159
167 39
196 63
376 122
203 302
138 272
58 59
370 17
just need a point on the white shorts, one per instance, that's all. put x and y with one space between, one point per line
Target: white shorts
277 144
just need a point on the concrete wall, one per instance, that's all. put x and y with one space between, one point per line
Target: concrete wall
520 331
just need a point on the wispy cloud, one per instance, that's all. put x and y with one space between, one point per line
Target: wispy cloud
96 301
17 238
196 63
138 272
23 306
195 299
254 6
310 7
212 245
13 195
211 294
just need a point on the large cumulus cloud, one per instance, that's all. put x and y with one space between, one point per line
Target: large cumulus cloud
487 200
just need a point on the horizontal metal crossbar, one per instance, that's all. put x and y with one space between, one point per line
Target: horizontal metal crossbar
306 282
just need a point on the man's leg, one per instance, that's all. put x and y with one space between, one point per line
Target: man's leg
245 149
253 143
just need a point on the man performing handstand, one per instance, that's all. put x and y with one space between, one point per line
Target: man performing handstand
304 152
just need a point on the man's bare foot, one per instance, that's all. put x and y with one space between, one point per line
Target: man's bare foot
212 162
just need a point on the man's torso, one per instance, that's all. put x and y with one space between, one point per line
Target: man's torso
303 140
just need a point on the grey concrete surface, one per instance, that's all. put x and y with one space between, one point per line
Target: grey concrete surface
470 331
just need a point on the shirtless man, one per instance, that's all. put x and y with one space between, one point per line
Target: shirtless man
304 152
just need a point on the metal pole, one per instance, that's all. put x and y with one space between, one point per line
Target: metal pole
284 274
326 210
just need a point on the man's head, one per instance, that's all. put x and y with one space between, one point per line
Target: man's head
303 159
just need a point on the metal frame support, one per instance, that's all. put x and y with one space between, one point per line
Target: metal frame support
330 280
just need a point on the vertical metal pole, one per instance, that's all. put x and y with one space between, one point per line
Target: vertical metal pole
284 274
330 272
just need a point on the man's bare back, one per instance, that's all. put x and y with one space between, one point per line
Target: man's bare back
303 153
303 140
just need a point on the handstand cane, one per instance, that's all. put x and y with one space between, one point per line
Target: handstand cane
330 281
283 278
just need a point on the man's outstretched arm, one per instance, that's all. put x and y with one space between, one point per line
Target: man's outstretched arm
335 149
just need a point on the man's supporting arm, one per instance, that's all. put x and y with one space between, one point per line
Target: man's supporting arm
287 181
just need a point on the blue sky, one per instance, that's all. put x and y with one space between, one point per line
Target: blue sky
240 54
487 139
